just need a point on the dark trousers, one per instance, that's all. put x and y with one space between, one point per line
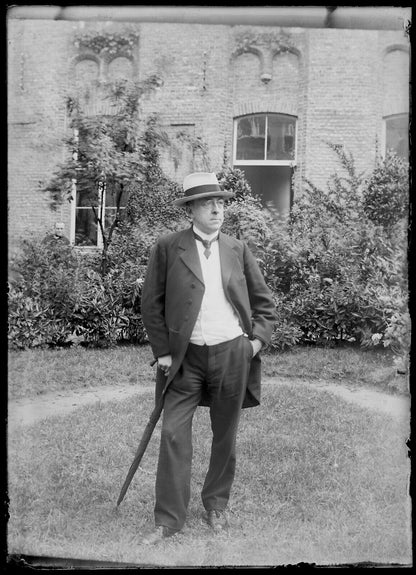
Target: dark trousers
220 371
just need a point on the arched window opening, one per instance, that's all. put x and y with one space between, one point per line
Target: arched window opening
265 150
265 138
94 209
120 68
92 206
397 135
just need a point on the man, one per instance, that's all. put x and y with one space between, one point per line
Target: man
207 312
58 235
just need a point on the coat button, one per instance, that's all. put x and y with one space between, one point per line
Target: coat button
193 285
189 301
186 317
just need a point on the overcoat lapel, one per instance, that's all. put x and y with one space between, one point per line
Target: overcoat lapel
227 259
190 255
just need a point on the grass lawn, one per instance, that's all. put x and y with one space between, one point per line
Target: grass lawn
34 372
318 481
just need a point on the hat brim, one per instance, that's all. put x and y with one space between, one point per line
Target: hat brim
218 194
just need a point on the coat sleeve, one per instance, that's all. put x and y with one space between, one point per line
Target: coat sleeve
263 309
153 302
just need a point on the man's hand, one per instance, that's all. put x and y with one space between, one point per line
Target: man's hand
164 362
257 345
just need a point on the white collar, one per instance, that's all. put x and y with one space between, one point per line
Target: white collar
204 236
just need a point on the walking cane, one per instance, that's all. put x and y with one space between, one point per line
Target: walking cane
147 434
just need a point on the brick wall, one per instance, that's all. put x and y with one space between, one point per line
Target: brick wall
339 83
342 103
37 79
193 61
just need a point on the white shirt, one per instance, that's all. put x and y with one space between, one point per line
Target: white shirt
217 321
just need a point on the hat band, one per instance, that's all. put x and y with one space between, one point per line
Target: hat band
202 190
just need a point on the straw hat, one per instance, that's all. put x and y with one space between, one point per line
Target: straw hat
201 185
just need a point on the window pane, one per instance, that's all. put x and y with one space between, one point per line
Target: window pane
111 198
250 137
119 69
86 72
110 214
280 137
397 134
85 228
86 199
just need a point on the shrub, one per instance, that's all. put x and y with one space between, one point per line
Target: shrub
244 217
335 274
128 259
279 259
41 300
150 204
32 323
345 275
386 197
397 335
97 314
286 333
233 180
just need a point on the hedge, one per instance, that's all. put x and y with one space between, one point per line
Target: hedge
336 274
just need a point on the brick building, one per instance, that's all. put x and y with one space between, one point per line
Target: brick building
264 98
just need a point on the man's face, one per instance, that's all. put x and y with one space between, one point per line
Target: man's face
59 229
207 214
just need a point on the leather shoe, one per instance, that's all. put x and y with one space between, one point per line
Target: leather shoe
216 519
158 535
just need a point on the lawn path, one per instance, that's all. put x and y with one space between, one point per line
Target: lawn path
27 411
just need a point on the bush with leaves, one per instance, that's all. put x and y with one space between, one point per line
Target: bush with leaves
42 298
346 276
244 216
128 258
97 316
286 332
61 297
336 275
108 151
386 196
150 205
233 180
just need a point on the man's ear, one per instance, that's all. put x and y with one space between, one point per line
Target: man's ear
188 209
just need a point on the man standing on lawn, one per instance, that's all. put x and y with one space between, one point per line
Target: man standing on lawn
207 312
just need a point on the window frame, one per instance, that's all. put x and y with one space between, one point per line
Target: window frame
384 130
101 209
290 162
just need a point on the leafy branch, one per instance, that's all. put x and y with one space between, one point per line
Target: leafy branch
107 42
276 41
106 152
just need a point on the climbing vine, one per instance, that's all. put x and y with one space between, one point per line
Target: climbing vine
198 147
107 42
277 41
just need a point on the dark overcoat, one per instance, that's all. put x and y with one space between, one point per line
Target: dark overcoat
172 296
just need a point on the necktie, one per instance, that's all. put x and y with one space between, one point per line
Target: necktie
206 244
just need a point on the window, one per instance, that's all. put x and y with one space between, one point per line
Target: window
85 224
87 231
265 150
92 76
397 134
88 207
265 138
86 83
